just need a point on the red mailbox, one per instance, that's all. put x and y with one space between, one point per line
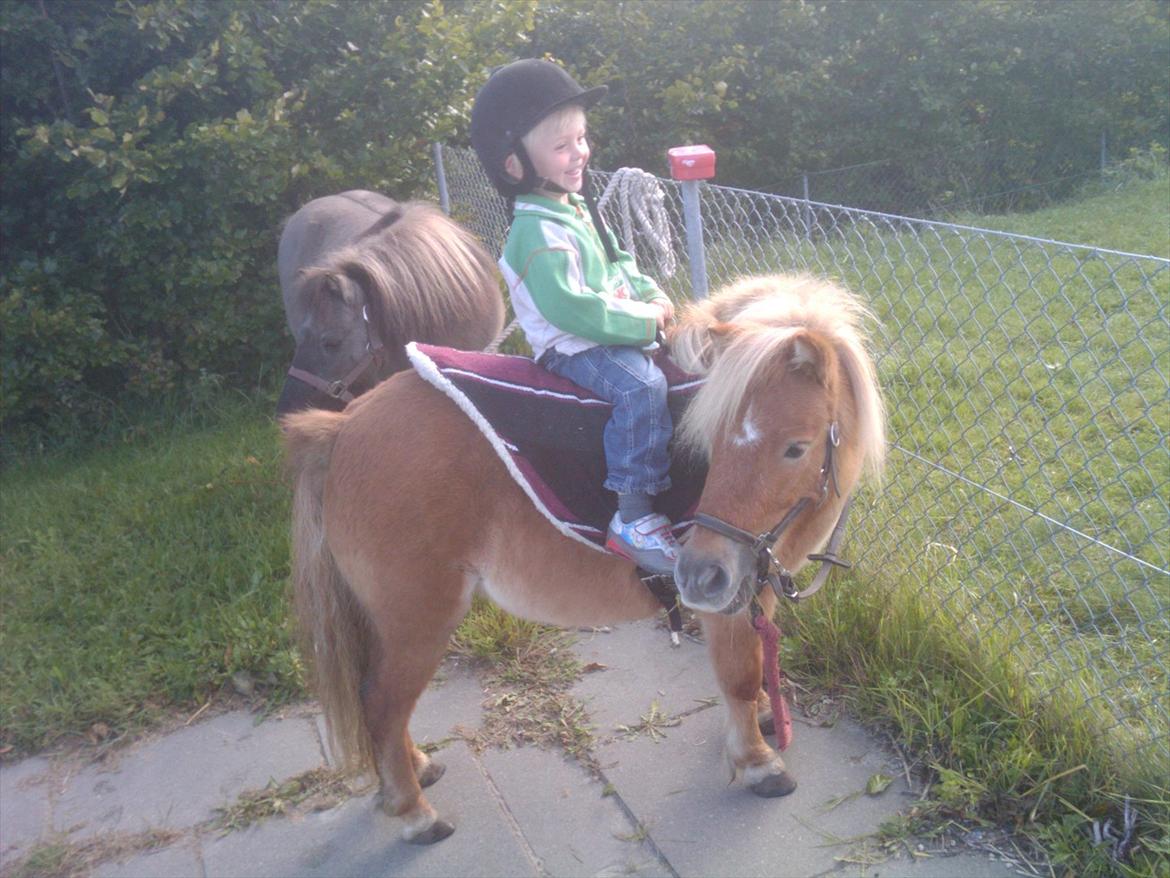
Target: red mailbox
691 162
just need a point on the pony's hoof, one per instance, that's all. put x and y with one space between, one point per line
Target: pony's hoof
431 773
437 831
767 723
774 785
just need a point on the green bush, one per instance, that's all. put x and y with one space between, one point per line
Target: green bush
152 152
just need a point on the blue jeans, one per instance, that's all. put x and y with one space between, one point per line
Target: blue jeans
636 438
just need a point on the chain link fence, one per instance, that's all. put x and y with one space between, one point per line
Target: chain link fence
1027 387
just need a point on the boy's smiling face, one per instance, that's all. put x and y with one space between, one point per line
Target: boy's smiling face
559 151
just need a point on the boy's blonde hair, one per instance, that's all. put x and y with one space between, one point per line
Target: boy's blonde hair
556 122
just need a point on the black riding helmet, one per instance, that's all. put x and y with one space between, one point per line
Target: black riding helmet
511 103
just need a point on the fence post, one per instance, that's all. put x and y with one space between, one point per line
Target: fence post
689 165
1104 153
441 178
806 210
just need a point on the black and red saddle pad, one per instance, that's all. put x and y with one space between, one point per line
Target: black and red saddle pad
548 433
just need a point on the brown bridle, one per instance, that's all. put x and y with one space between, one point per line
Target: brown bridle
769 570
340 389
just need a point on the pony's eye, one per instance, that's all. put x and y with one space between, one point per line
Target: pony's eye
796 450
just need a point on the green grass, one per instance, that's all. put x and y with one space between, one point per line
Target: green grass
139 578
1130 217
1001 754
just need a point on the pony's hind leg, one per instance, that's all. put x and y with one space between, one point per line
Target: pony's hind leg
737 657
400 667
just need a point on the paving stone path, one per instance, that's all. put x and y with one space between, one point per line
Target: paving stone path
662 805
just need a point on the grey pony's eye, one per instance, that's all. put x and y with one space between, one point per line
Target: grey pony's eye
796 450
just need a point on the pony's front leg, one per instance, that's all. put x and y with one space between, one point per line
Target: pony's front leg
737 656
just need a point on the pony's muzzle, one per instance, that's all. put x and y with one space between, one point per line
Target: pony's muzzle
708 584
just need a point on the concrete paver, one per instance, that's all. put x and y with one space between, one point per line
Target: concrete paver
358 839
180 860
180 779
573 827
641 668
24 806
963 865
679 787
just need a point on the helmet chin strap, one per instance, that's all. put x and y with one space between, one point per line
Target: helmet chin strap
532 180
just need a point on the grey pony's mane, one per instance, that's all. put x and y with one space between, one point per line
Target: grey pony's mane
403 258
769 311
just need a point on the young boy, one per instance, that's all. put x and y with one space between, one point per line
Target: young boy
589 314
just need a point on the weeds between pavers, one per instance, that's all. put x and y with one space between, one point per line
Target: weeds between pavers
59 858
527 682
315 790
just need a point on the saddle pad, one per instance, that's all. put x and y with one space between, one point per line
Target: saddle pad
549 434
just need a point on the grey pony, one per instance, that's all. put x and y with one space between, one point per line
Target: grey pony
361 275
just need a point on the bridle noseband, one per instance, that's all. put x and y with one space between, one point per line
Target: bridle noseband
340 389
769 570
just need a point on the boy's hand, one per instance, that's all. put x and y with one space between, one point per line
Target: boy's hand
665 311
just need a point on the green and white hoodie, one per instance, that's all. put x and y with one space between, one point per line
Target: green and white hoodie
566 293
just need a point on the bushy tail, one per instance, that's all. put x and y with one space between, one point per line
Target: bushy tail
334 631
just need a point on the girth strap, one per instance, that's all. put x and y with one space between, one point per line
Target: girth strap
664 590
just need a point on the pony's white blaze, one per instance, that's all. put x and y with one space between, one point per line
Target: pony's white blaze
749 434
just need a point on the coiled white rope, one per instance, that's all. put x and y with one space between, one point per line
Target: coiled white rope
641 207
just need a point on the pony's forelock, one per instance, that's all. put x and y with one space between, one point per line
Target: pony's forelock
769 311
405 262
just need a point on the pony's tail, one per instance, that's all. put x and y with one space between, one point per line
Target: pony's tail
335 635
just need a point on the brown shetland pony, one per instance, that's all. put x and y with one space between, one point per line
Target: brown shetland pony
403 512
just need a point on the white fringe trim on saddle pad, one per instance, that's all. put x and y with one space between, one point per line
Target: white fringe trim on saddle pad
429 372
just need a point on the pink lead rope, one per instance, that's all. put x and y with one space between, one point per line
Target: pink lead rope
781 718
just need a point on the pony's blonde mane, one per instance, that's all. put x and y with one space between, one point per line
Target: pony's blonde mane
405 262
766 313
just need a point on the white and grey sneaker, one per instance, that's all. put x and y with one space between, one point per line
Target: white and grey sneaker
647 541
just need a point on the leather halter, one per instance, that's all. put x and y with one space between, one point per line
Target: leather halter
769 570
340 389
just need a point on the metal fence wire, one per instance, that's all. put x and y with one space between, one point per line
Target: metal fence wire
1027 387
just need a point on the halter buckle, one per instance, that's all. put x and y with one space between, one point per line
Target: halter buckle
775 574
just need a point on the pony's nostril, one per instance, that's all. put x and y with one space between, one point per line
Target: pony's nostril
712 580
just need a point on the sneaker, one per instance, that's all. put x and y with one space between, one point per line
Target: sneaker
647 541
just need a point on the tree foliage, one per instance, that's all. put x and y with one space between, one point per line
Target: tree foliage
779 88
152 149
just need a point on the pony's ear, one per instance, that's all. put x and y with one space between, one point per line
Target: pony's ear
810 355
695 346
